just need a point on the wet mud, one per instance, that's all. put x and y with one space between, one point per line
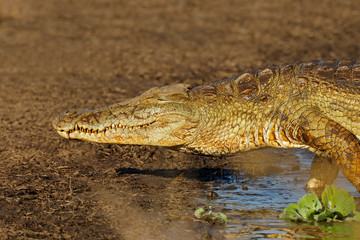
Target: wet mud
59 55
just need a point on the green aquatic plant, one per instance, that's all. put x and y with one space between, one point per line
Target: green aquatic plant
210 216
337 205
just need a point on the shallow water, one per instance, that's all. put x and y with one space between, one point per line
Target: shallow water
253 198
255 188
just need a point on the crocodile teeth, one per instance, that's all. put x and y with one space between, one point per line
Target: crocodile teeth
108 130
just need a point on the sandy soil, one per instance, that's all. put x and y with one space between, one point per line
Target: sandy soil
61 54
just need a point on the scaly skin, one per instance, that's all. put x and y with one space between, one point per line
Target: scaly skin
313 105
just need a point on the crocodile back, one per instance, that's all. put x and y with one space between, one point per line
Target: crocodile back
333 86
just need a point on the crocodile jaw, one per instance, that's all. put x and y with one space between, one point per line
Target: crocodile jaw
168 130
160 117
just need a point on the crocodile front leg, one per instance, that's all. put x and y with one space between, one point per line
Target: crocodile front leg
327 138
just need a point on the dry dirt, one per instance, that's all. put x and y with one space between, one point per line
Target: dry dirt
62 54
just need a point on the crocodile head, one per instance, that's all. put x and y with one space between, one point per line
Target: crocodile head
160 116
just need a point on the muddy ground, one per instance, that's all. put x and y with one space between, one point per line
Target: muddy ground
61 54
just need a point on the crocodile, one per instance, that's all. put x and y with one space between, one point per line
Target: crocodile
313 105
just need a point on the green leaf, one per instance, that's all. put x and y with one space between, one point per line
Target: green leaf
326 216
199 212
310 201
338 200
307 207
355 217
291 213
219 218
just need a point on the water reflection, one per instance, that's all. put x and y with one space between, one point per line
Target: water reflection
323 171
